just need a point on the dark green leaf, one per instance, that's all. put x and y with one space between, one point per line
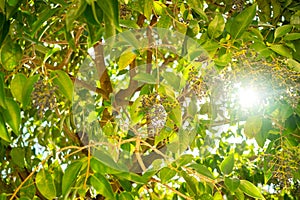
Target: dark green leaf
64 83
45 184
12 115
232 183
242 21
250 189
227 164
18 156
70 176
101 185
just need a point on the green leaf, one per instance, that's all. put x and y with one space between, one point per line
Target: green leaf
263 134
252 126
126 58
18 156
281 50
166 174
216 26
232 183
239 194
101 185
2 91
3 131
292 36
250 189
28 88
75 11
293 64
45 184
70 176
145 78
44 16
11 54
242 21
203 170
12 115
172 79
16 86
227 164
125 196
146 6
282 30
191 183
64 83
176 115
198 8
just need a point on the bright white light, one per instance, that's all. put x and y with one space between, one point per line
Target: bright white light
248 97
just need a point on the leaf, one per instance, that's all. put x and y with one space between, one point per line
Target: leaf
166 174
203 170
64 83
242 21
146 6
45 184
263 134
197 7
292 36
18 156
176 115
191 183
2 91
16 86
75 10
70 176
250 189
101 185
172 79
252 126
44 16
239 194
227 164
216 26
126 58
281 50
28 88
145 78
293 64
11 54
3 131
12 115
232 183
125 196
282 30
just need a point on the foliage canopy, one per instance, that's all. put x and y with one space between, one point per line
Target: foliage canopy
154 111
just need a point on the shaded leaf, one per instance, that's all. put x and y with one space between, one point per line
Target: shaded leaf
16 86
44 16
2 91
282 30
11 54
18 156
227 164
145 78
45 184
28 88
250 189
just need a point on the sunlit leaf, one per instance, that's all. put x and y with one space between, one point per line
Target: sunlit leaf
282 30
232 183
3 131
242 21
70 176
252 126
227 164
64 83
45 184
126 58
16 86
250 189
145 78
12 115
101 185
203 170
11 55
166 174
281 50
216 26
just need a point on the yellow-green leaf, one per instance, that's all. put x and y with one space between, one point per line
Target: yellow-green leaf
45 184
11 54
12 115
282 30
16 86
232 183
64 83
101 185
216 26
3 131
70 176
252 126
2 92
250 189
281 50
126 58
